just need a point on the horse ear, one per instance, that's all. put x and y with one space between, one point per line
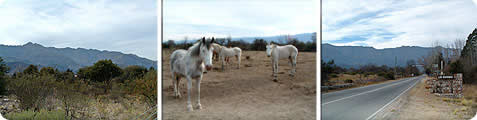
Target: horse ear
203 40
213 39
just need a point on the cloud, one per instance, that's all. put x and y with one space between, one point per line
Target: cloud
388 24
114 25
195 19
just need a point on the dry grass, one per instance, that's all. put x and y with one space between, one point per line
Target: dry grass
358 79
419 104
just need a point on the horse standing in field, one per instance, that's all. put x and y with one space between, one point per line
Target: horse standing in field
191 64
230 52
282 52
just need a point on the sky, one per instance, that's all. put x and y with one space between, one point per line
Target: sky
127 26
191 19
394 23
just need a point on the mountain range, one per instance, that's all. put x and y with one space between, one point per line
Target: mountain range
18 57
356 56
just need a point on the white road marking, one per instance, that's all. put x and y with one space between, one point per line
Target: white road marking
392 100
363 93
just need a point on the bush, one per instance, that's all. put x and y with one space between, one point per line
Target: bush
258 45
387 75
146 87
348 81
40 115
3 71
73 99
32 90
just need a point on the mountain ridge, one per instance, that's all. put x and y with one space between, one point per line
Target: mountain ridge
356 56
17 56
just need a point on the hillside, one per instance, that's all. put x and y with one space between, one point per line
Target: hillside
19 57
355 56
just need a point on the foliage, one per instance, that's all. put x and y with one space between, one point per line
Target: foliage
47 70
3 71
72 96
31 69
104 70
133 72
32 90
387 75
259 45
36 115
456 67
147 88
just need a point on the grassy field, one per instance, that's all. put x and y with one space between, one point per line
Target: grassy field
248 92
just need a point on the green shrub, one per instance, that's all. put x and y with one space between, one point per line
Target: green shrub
387 75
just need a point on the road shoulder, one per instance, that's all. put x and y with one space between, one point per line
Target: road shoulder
418 103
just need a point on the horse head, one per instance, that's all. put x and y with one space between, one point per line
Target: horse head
270 47
206 52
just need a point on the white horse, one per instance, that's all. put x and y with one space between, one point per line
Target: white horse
225 52
282 52
191 64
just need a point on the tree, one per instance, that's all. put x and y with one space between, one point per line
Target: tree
104 71
258 45
147 88
32 90
171 44
133 72
3 71
31 69
47 70
456 67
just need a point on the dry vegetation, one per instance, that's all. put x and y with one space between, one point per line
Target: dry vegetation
248 92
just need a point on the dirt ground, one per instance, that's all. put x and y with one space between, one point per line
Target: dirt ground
419 104
247 93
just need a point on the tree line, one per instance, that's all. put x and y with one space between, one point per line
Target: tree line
48 88
459 57
256 45
329 70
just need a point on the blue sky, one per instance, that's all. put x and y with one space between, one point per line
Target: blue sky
394 23
220 18
128 26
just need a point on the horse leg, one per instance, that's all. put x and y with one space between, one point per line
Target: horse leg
198 92
238 59
222 58
189 85
174 80
292 66
177 84
275 71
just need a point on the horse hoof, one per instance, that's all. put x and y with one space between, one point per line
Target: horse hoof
189 108
199 107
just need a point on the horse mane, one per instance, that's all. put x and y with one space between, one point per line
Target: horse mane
195 49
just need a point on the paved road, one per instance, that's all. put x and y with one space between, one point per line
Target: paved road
364 102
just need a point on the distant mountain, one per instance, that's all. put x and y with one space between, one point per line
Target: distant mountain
355 56
19 57
304 37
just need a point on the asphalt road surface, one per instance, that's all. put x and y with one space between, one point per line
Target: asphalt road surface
363 103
